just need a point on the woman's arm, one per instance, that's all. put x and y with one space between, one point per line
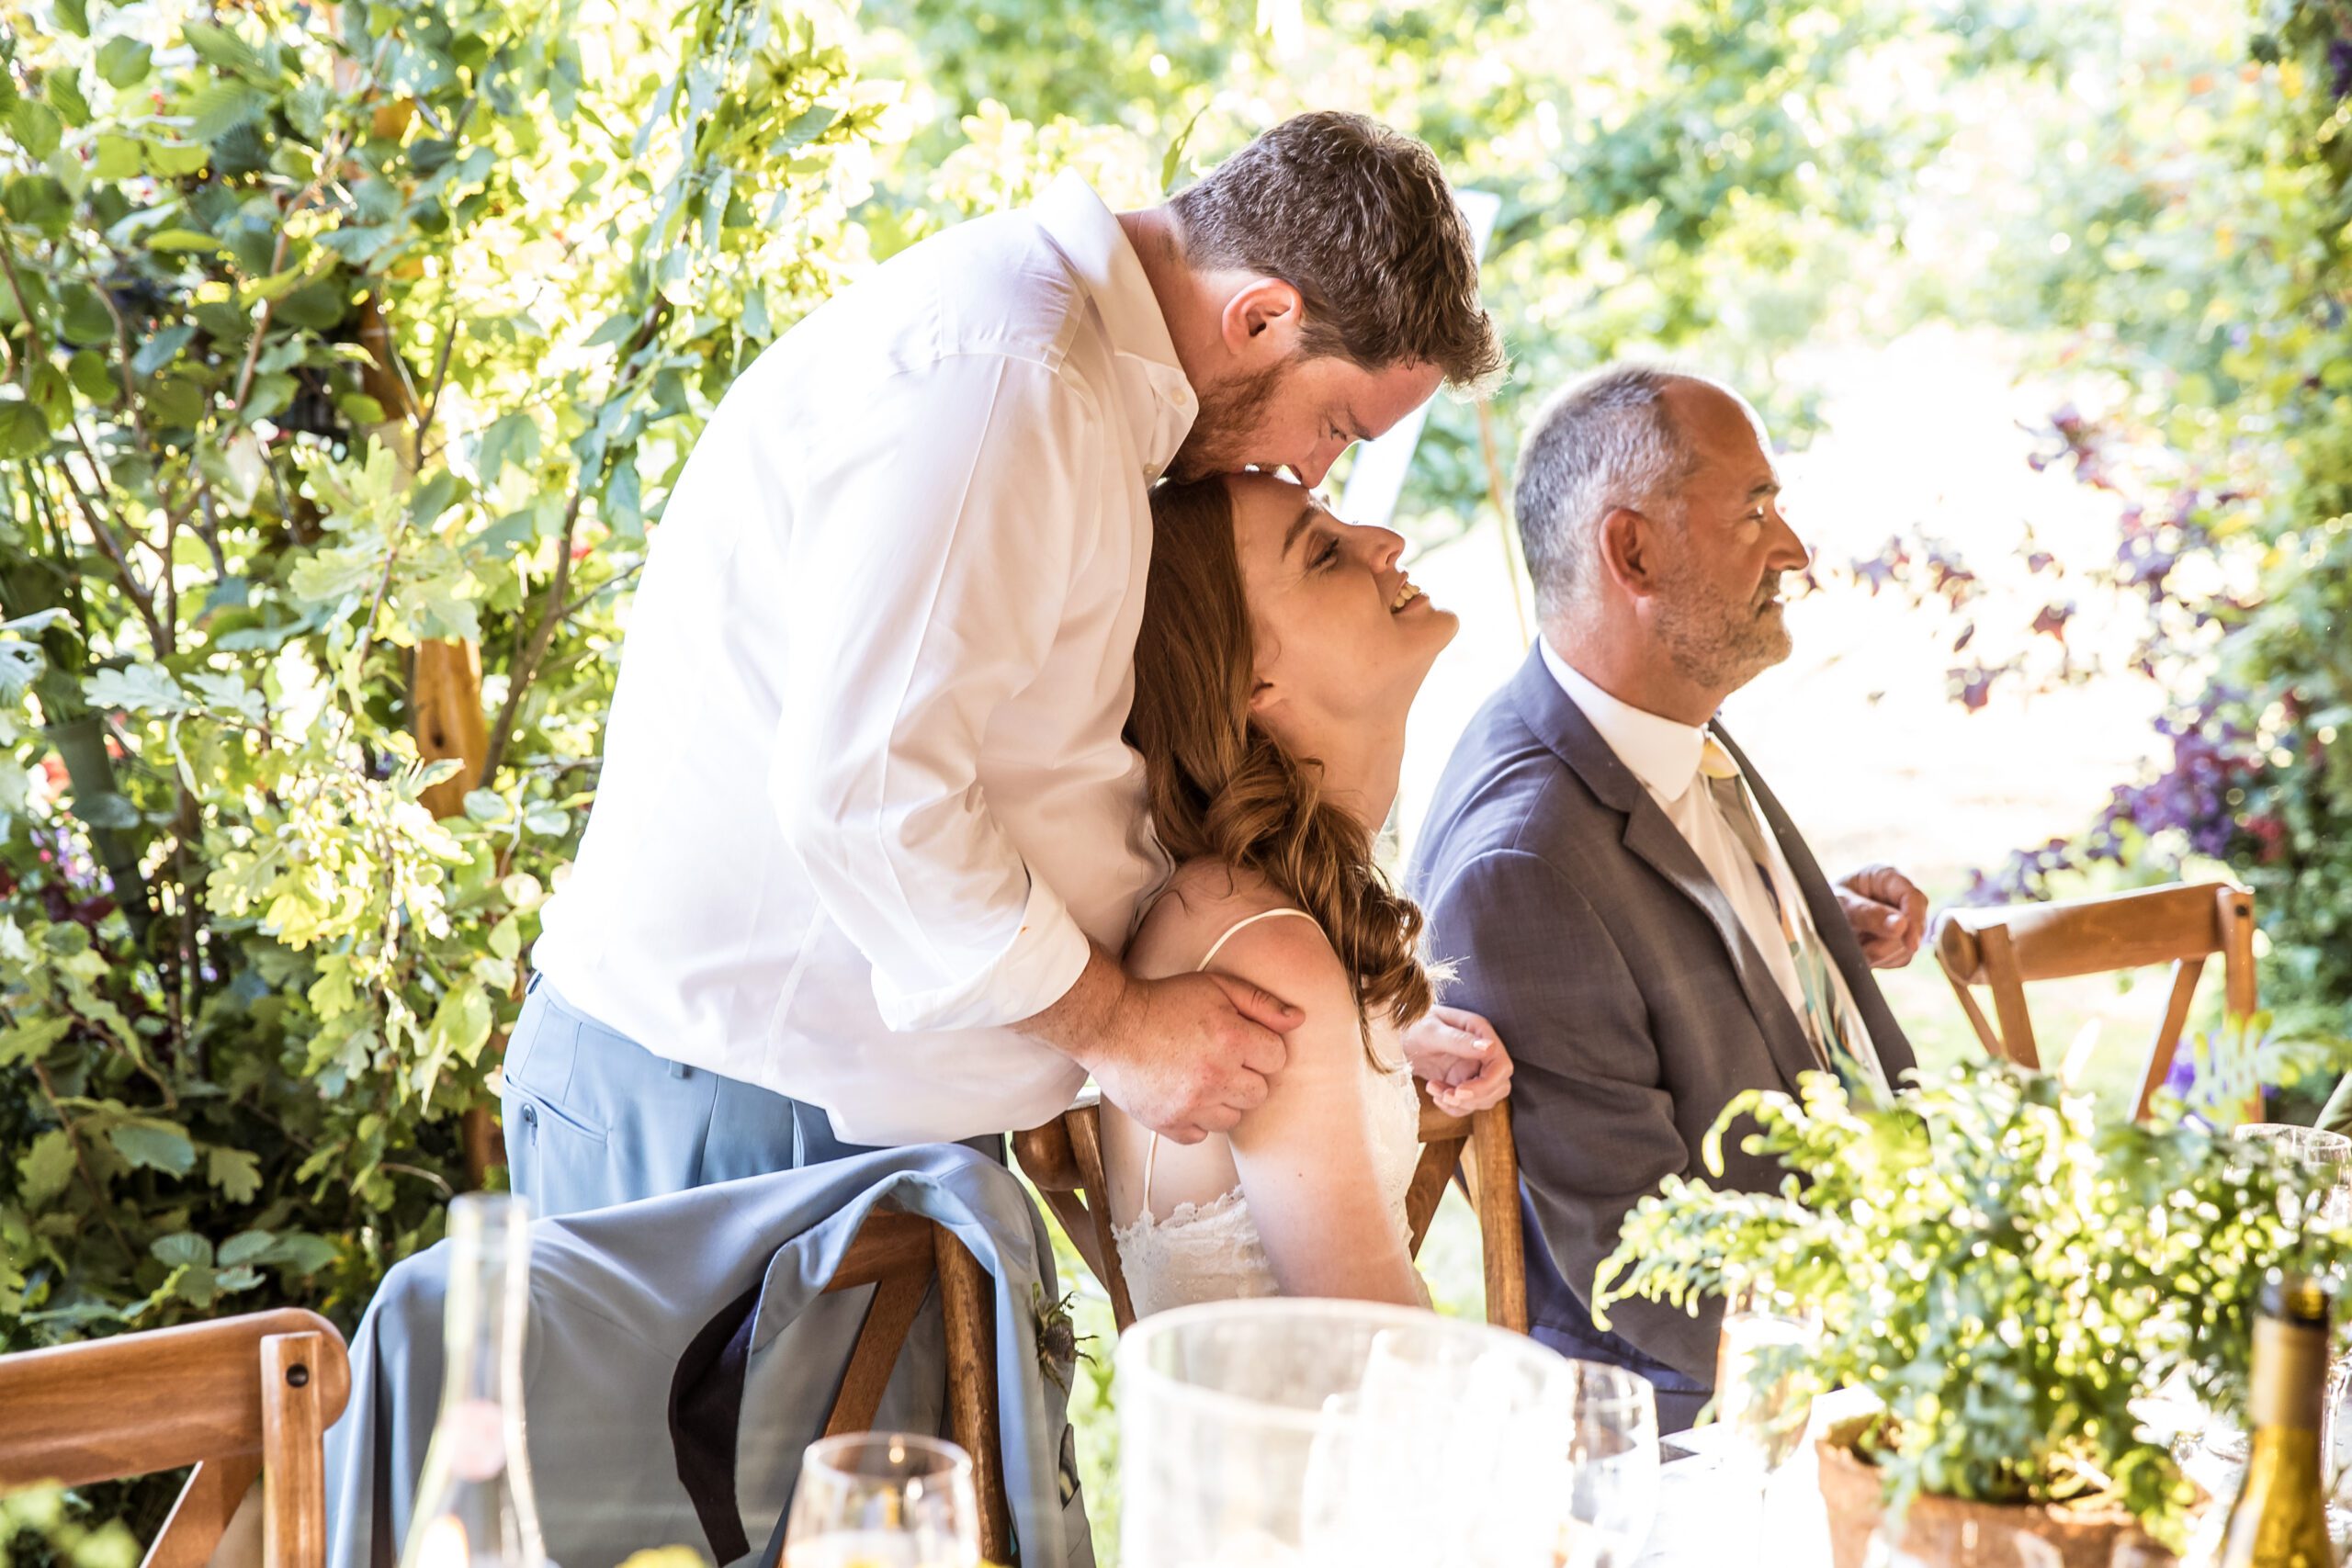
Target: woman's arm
1306 1156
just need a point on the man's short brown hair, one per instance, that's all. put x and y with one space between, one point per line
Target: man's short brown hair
1358 218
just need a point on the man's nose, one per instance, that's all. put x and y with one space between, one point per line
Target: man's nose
1318 464
1789 552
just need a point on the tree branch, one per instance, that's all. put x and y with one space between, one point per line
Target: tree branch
34 353
535 652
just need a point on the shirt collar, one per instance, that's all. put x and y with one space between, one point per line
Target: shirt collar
1662 753
1087 233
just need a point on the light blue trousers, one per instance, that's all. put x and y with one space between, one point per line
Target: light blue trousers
593 1118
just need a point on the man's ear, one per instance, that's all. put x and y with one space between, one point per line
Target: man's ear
1261 320
1631 551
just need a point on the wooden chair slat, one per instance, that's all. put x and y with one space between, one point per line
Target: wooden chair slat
200 1516
1440 1160
2183 925
294 1479
887 1317
889 1244
2186 973
2057 941
966 1301
137 1404
1494 1154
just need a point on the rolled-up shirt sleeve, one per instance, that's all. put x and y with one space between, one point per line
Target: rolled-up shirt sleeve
934 573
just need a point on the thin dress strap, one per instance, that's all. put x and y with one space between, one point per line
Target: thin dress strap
1151 1150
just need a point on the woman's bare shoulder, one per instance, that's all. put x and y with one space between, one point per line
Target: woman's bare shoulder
1202 900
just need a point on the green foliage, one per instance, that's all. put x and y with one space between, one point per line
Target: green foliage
40 1529
324 335
2206 278
2003 1270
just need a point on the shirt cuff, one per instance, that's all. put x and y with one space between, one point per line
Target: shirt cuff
1045 961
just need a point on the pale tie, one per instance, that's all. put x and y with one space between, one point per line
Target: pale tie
1840 1040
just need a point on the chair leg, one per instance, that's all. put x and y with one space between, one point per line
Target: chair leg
1495 1156
965 1294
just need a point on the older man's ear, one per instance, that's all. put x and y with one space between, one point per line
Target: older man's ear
1628 547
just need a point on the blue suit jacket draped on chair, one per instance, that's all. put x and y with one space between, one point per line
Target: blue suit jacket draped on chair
1633 1002
643 1431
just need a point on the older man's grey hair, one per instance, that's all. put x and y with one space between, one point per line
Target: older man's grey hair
1606 442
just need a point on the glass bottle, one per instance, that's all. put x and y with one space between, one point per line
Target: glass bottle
2280 1519
474 1503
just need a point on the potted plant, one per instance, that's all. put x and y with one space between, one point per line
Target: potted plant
2008 1275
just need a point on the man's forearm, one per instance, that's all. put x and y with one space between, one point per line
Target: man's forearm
1086 1017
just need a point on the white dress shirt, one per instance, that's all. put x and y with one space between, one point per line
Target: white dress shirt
864 798
1664 755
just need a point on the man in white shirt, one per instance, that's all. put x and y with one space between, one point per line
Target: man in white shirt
1623 897
868 842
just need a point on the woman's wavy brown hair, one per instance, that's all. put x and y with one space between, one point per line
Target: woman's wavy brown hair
1222 789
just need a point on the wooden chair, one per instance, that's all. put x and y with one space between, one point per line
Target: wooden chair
236 1398
2184 925
1064 1158
900 1255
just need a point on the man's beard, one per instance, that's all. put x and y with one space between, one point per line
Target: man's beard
1716 648
1227 427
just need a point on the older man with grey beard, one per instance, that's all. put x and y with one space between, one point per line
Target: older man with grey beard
1620 894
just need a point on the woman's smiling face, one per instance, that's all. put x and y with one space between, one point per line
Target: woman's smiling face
1343 637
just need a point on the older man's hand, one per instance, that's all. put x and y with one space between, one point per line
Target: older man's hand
1888 912
1462 1059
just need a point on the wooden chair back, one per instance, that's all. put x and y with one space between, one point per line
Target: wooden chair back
237 1398
2183 924
900 1256
1064 1160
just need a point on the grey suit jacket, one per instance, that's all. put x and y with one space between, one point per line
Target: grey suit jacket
1633 1001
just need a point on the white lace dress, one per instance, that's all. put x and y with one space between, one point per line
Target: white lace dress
1212 1252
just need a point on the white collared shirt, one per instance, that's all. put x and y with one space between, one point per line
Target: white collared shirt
864 798
1664 755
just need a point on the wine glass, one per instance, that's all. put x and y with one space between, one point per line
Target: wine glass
883 1500
1764 1388
1612 1469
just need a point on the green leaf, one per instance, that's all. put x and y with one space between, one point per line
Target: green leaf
84 318
461 1023
182 1250
37 128
216 45
159 1145
514 438
65 96
181 239
46 1168
137 688
506 939
105 808
359 408
28 1041
91 377
161 349
237 1173
246 1247
216 110
124 62
300 1253
73 16
173 159
486 806
53 395
24 432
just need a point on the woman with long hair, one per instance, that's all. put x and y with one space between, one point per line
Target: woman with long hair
1278 654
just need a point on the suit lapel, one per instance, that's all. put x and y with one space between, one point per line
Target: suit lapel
1651 838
